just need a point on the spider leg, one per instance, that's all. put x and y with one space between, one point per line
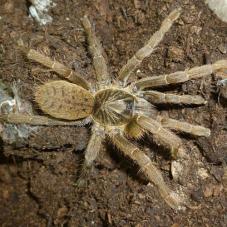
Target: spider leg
96 51
180 76
18 118
91 152
149 47
159 97
148 168
62 70
165 136
184 126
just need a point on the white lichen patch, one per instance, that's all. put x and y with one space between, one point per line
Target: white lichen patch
39 11
219 7
10 102
202 173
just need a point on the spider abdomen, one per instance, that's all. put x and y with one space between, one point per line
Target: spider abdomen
64 100
113 107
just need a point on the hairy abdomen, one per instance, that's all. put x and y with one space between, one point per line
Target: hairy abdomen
64 100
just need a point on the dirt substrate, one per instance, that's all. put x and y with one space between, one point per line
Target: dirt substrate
37 176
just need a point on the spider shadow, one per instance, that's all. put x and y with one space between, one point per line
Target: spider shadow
8 160
124 163
3 158
222 101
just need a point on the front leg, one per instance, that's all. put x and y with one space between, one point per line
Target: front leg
91 153
149 47
196 130
62 70
164 135
180 76
148 168
96 51
160 97
18 118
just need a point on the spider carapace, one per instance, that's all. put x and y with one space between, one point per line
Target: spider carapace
113 107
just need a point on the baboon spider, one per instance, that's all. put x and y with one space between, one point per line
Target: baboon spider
117 109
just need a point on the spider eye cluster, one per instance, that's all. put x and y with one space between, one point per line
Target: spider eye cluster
113 107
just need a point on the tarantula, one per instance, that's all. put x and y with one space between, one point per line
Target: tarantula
118 110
